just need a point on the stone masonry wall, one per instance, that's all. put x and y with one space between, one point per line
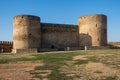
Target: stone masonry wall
93 30
26 32
30 35
6 46
59 35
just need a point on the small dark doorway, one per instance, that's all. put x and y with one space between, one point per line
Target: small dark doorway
52 47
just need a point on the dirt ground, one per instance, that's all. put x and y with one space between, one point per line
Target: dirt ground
107 68
90 70
18 71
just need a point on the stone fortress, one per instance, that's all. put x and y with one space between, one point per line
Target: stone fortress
30 35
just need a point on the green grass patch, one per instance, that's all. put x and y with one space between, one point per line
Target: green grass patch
3 61
53 62
79 62
56 75
110 78
8 60
51 57
94 58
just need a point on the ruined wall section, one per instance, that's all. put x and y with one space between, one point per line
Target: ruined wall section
6 46
93 30
59 35
26 33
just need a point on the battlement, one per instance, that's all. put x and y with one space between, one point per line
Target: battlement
29 17
6 42
91 16
50 27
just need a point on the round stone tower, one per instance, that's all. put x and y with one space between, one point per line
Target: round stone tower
93 30
27 32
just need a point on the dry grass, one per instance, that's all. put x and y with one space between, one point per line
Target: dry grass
17 71
90 71
79 57
101 66
75 65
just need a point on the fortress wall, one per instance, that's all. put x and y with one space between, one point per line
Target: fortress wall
26 33
29 35
59 35
114 44
93 30
6 46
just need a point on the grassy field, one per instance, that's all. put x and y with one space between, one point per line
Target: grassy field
68 65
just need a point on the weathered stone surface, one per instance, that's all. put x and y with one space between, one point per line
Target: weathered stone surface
29 33
59 36
93 30
6 46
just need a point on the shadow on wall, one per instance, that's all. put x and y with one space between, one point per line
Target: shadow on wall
85 40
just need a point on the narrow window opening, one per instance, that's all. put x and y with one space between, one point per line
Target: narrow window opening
96 25
98 39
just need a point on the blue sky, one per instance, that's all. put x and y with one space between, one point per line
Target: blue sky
59 11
